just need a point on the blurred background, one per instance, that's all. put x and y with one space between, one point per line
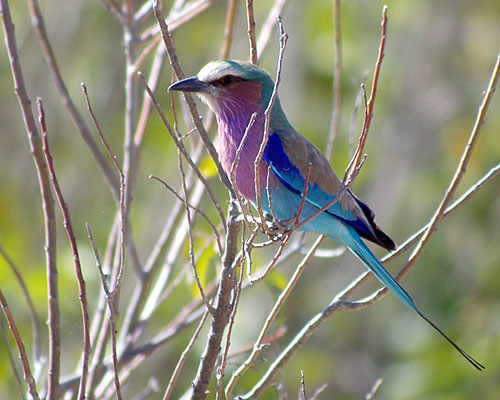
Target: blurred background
438 60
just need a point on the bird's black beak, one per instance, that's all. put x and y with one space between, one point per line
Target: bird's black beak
191 85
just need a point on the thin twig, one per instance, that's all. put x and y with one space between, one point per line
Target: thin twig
198 210
179 18
234 166
112 313
12 361
318 391
47 200
183 357
183 150
145 113
270 200
39 25
113 7
74 250
267 120
35 322
28 377
190 236
123 219
268 27
228 29
374 388
258 345
461 168
251 32
100 324
354 115
303 385
356 159
174 62
337 99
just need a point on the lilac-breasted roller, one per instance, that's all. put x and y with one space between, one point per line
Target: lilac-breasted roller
235 90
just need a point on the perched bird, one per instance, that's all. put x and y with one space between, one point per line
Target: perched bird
235 90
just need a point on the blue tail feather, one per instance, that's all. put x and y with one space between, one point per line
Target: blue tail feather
373 264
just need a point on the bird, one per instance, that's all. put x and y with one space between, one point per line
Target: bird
290 167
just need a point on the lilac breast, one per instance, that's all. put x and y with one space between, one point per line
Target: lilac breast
233 115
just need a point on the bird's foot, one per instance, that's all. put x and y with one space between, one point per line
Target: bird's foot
277 230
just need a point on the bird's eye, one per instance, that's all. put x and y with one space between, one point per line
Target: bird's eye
227 80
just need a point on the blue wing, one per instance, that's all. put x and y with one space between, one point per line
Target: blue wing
289 154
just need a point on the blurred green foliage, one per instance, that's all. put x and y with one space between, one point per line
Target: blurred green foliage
438 60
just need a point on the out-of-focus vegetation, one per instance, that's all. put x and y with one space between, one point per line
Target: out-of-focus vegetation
438 60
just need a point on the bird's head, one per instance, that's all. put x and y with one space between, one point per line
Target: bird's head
230 87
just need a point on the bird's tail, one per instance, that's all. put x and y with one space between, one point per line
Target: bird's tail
361 251
359 248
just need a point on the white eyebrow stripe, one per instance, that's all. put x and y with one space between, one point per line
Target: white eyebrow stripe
216 70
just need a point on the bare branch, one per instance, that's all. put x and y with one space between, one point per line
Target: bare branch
223 310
